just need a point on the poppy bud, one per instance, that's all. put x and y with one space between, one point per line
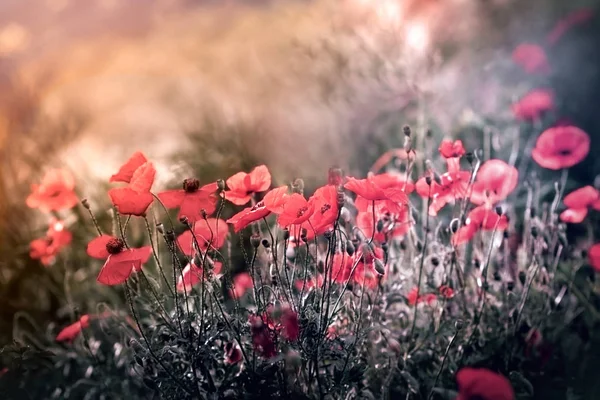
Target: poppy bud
406 130
459 324
350 249
335 176
510 286
505 234
170 235
304 238
435 261
286 234
379 267
321 266
85 203
499 210
340 199
534 231
327 234
255 240
384 247
428 180
293 359
191 185
265 243
220 185
298 186
183 219
380 226
532 212
470 157
497 276
203 213
160 228
522 277
428 133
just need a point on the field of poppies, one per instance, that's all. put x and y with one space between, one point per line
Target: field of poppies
443 272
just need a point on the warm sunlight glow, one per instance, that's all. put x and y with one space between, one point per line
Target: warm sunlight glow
417 37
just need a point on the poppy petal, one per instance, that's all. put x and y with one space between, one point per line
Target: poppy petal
115 272
130 202
171 198
97 247
143 178
126 171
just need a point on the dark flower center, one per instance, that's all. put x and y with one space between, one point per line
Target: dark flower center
301 211
115 246
564 152
258 205
191 185
325 208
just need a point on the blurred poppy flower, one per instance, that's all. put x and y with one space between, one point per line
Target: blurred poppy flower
272 202
192 274
233 353
296 210
262 339
135 198
480 218
211 232
577 17
413 297
451 149
341 267
561 147
388 224
54 193
191 200
578 203
290 324
312 283
47 248
532 58
449 187
594 256
120 262
243 185
69 333
370 267
533 105
483 384
395 182
127 170
446 291
494 182
241 283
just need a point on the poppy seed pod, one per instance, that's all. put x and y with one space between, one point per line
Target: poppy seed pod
184 220
298 186
255 240
286 234
191 185
470 157
266 244
220 185
406 130
160 228
85 203
379 267
498 210
350 249
428 180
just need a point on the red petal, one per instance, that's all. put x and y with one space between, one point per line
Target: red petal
259 179
237 198
116 270
573 215
236 182
126 171
594 256
97 247
143 178
171 198
484 384
69 333
275 199
582 198
130 202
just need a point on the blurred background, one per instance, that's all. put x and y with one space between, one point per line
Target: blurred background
213 87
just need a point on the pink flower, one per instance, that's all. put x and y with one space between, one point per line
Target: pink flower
494 182
532 58
120 262
483 384
561 147
55 193
69 333
533 105
578 203
46 249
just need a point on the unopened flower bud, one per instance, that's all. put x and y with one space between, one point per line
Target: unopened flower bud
255 240
160 228
286 234
428 180
406 130
379 267
170 235
266 244
534 231
350 249
298 186
379 226
85 203
498 210
184 220
203 213
220 185
470 157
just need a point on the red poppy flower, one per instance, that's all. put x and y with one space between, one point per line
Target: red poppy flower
371 189
272 202
446 291
325 208
393 224
494 182
451 149
211 231
533 105
341 267
242 185
413 297
367 273
69 333
262 339
127 170
241 283
192 274
120 262
46 249
561 147
594 256
451 186
296 210
480 218
54 193
393 182
312 283
233 353
483 384
191 200
532 58
577 17
578 203
290 324
135 198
